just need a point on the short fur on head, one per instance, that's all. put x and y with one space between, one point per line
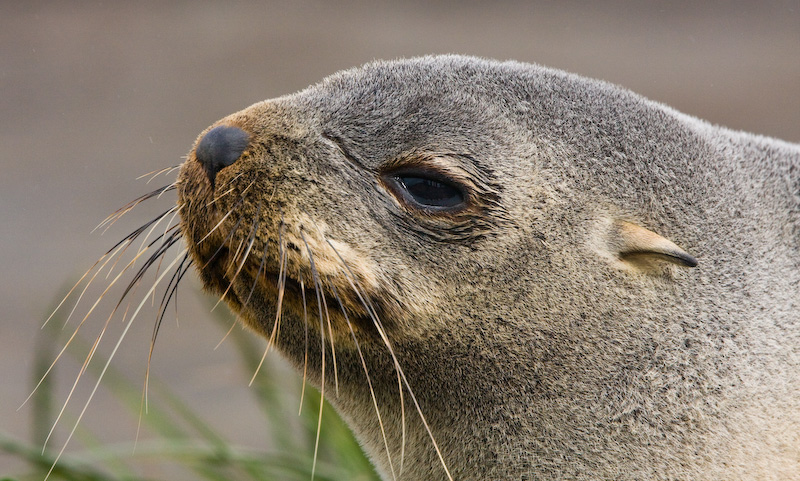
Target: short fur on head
546 325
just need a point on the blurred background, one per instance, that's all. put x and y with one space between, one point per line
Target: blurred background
94 94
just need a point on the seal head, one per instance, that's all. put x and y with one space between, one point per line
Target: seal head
500 271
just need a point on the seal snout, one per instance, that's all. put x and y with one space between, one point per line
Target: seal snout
221 147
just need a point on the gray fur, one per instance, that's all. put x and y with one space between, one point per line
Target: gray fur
533 352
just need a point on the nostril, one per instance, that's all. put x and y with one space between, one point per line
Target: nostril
221 147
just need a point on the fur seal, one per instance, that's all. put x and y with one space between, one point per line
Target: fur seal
503 271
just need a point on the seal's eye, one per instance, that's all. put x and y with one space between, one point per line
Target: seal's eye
429 192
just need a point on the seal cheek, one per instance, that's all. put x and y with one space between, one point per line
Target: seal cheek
362 269
336 260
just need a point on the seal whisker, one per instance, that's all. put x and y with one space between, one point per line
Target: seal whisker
223 243
353 281
170 224
220 196
135 235
252 238
318 282
228 333
155 173
231 182
279 305
169 292
174 293
425 424
333 346
263 256
163 216
369 380
284 258
318 290
258 274
166 230
234 258
230 189
138 231
251 184
86 361
158 255
168 243
52 365
105 367
220 223
116 251
88 314
160 218
241 264
110 254
116 215
305 350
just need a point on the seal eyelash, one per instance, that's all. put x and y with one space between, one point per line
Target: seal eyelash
427 191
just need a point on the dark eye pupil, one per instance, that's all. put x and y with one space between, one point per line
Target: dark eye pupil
432 193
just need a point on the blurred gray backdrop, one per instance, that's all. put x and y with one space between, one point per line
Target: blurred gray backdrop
94 94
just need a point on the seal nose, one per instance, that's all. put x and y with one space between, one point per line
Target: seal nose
221 147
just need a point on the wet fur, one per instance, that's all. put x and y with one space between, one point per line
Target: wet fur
516 339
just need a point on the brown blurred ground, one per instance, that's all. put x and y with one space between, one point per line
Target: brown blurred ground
93 94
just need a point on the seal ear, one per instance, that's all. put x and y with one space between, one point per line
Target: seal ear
643 249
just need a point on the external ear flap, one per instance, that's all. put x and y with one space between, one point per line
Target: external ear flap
640 247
